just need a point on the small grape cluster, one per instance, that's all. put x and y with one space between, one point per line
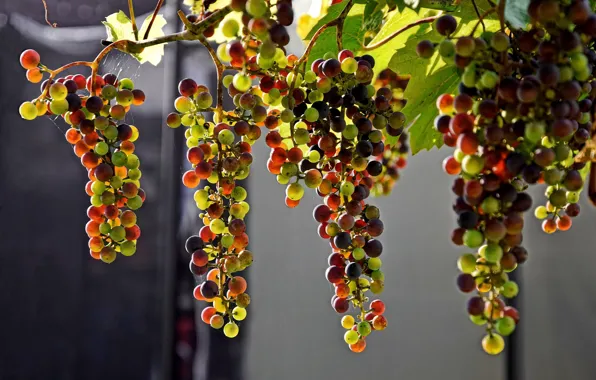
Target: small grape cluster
522 116
312 143
95 109
219 250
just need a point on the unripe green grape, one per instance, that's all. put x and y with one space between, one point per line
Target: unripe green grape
310 76
347 188
107 198
268 49
565 74
118 233
98 187
473 164
256 8
489 79
116 182
204 100
374 263
126 84
491 205
315 96
191 142
225 137
239 193
183 104
458 155
282 179
573 196
230 28
295 191
329 55
132 161
119 158
311 115
541 212
505 326
349 65
239 313
283 62
324 85
111 132
109 92
351 337
227 80
377 287
372 212
223 55
375 136
478 319
291 76
358 254
105 228
347 321
217 226
558 198
314 156
231 329
58 91
493 253
377 275
124 97
499 42
135 202
332 229
364 328
58 106
468 77
473 238
579 62
28 111
101 148
467 263
510 289
447 50
134 174
350 132
241 82
226 241
213 178
96 200
128 248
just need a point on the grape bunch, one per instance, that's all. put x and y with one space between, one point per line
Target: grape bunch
329 137
522 116
95 109
219 250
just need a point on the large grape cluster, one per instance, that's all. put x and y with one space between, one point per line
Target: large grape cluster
96 109
522 116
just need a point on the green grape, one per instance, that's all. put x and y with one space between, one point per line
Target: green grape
468 77
364 328
478 319
358 254
28 111
347 188
291 76
204 100
227 80
473 164
126 84
489 79
107 198
118 233
128 248
239 193
58 91
135 202
473 238
315 96
239 313
256 8
447 50
282 179
314 156
329 55
264 63
347 321
565 74
227 240
493 344
231 329
217 226
491 205
534 131
132 161
134 174
349 65
241 82
499 41
311 115
579 62
119 158
101 148
230 28
350 132
58 106
374 263
541 212
510 289
310 76
467 263
505 326
493 253
98 187
351 337
96 201
105 228
101 123
295 191
377 276
111 132
183 104
226 137
289 169
109 92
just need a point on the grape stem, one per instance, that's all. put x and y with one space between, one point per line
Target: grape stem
501 13
478 14
398 32
220 69
481 18
153 16
340 25
131 11
45 7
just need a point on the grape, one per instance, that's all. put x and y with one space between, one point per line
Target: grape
29 59
446 25
425 49
28 111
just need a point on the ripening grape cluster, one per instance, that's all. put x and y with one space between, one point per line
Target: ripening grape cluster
219 250
95 110
522 116
313 146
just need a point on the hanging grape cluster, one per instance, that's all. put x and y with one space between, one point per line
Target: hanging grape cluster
95 110
522 116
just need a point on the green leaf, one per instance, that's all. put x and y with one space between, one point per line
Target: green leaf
516 12
428 78
353 34
585 171
444 5
332 13
370 8
119 27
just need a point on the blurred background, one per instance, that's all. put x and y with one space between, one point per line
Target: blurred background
66 316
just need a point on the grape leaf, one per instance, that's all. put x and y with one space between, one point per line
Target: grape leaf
333 12
370 8
119 27
429 78
516 12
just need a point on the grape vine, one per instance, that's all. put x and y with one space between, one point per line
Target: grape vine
514 97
